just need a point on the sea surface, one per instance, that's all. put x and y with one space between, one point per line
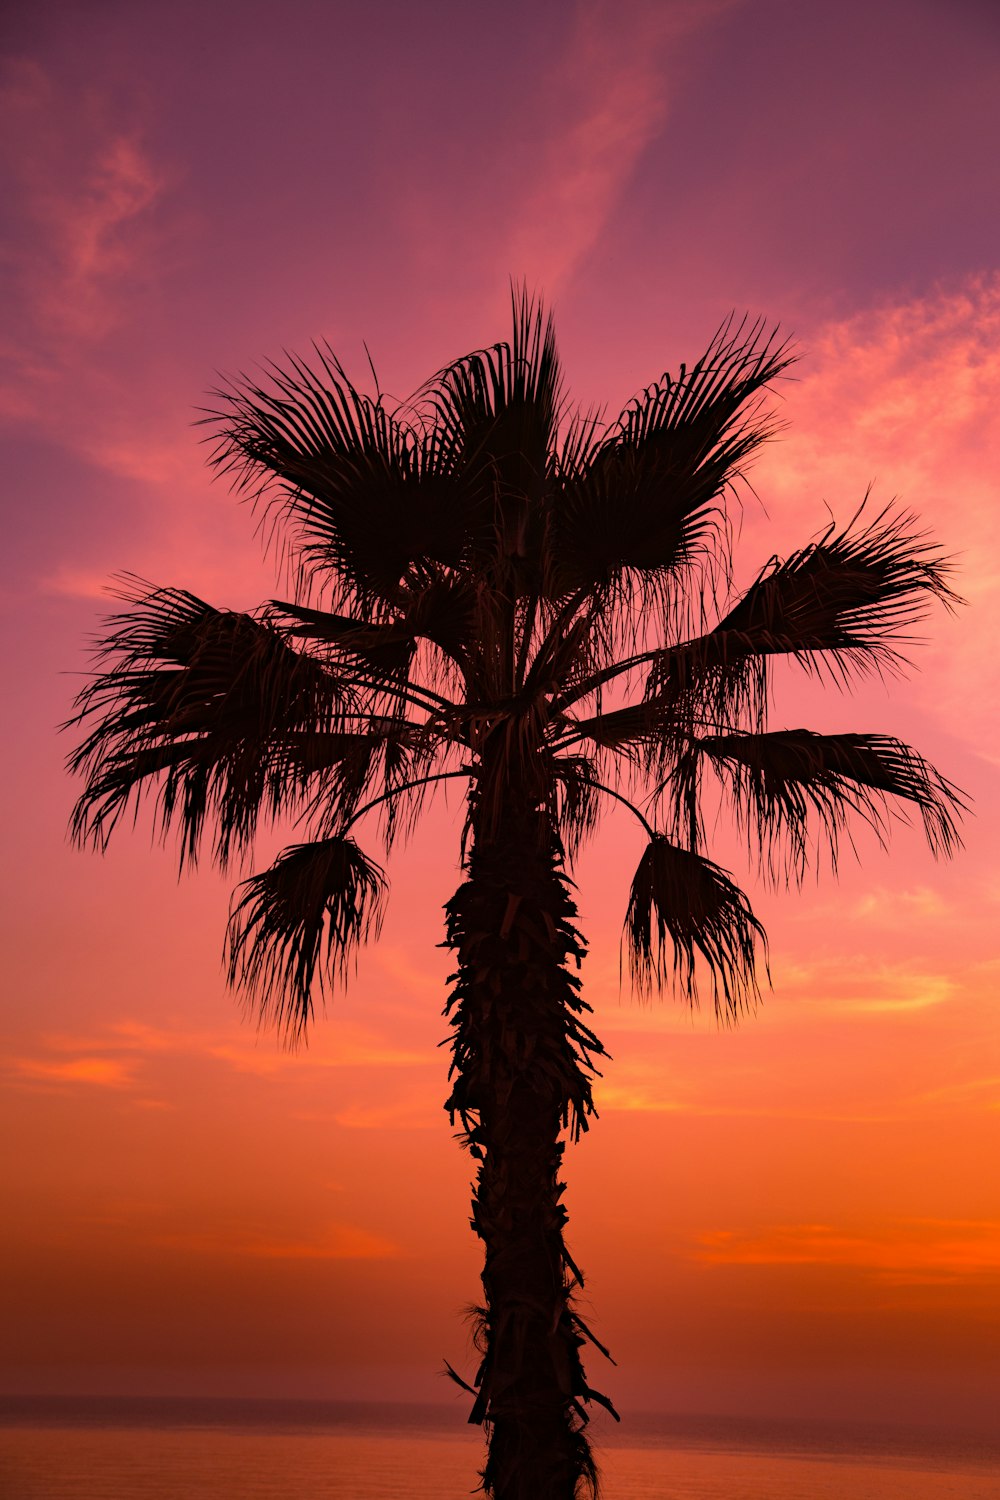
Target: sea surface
103 1449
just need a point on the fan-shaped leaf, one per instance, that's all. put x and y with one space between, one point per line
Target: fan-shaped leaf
779 779
208 702
679 897
496 412
852 594
373 499
299 923
644 499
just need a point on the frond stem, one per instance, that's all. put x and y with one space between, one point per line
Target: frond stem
408 692
607 674
600 787
572 737
407 786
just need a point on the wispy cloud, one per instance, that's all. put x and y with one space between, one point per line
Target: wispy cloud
906 1252
908 395
607 98
104 1072
971 1092
805 988
645 1098
95 231
900 908
122 1054
348 1046
863 986
406 1111
566 146
86 192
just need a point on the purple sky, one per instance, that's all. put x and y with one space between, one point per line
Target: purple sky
192 188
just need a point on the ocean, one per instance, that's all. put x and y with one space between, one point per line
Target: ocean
102 1449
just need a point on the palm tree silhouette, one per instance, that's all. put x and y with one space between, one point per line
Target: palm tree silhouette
528 600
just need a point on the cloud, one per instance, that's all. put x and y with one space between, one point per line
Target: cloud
105 1072
900 908
639 1098
906 1252
86 192
975 1093
861 987
86 263
604 102
805 988
347 1045
133 1045
76 583
907 394
567 144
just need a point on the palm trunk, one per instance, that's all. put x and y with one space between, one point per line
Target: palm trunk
521 1076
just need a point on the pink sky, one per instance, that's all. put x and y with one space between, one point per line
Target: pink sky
799 1215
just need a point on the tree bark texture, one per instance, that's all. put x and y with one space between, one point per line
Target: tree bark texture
521 1076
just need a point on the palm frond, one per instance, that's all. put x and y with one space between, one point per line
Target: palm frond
438 609
574 801
208 707
495 412
386 648
843 605
783 780
845 601
645 501
372 499
624 728
298 925
679 897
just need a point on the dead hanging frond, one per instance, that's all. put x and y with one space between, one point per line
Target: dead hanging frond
683 905
784 781
298 925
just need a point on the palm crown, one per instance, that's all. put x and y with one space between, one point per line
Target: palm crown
492 587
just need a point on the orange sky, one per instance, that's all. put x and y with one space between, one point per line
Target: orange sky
798 1215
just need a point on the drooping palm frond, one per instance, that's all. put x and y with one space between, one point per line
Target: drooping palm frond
645 501
678 895
297 926
783 780
205 706
373 501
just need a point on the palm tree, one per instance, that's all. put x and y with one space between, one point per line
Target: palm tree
490 588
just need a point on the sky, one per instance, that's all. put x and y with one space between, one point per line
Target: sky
799 1215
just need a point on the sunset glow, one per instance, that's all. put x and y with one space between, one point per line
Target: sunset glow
800 1214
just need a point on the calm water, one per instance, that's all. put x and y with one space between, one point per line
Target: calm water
74 1450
